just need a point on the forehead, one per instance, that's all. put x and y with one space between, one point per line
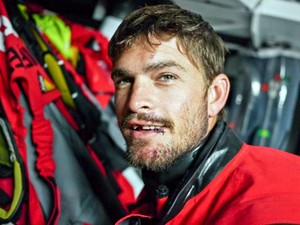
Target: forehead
154 49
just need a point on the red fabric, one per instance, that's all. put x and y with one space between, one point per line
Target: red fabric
17 68
160 204
97 63
259 186
35 214
42 134
14 112
126 196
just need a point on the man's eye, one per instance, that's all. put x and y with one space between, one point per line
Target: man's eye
121 82
167 77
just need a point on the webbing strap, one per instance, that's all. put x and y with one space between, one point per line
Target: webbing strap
25 72
15 114
42 136
15 117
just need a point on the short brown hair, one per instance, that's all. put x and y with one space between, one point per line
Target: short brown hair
203 46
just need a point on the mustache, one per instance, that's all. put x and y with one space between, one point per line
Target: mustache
147 117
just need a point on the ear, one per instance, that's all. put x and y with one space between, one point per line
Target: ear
218 94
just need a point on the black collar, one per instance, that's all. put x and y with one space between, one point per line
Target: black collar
169 177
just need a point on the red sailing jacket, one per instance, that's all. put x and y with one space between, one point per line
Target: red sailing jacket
258 185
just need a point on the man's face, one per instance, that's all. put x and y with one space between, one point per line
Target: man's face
160 104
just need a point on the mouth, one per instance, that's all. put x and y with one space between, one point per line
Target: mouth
147 128
144 126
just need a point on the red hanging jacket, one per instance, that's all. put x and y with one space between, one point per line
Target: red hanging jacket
20 72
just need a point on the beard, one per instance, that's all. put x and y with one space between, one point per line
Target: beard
161 155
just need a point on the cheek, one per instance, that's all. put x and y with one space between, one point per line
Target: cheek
175 107
182 100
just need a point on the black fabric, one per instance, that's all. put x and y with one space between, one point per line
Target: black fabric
5 199
169 177
5 171
121 9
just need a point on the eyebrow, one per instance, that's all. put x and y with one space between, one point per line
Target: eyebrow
148 68
119 73
161 65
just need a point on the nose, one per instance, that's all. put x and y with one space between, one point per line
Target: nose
142 96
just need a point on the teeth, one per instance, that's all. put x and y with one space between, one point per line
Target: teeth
146 127
150 127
